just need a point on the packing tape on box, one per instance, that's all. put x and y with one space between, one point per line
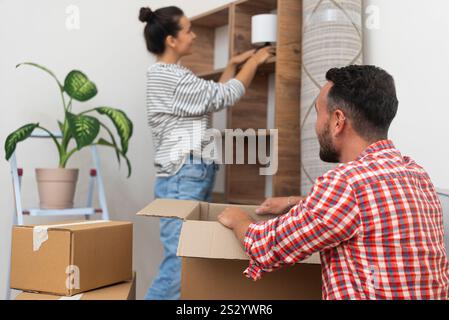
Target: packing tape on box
40 233
75 297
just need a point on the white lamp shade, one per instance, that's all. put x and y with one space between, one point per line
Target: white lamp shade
264 29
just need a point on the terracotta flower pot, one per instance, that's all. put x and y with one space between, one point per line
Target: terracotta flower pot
56 187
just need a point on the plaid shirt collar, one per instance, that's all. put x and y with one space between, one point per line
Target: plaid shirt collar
376 147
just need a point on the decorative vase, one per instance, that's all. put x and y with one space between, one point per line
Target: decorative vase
56 187
332 37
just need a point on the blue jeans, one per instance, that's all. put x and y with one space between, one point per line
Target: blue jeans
192 182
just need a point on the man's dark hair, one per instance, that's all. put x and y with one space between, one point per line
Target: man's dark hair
367 95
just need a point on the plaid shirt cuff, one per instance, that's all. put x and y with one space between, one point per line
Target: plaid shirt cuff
254 271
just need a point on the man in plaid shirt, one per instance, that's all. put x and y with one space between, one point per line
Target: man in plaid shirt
375 219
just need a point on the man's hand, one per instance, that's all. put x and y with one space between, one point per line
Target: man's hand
232 217
236 220
278 205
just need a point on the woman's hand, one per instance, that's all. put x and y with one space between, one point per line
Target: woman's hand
241 58
263 54
235 61
249 69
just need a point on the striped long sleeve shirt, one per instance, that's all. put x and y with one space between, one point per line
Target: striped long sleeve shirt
179 109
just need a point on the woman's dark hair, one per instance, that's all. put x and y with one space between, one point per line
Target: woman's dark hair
367 94
160 24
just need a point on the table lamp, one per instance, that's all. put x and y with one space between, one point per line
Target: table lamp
264 30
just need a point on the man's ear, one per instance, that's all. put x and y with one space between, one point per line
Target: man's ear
340 121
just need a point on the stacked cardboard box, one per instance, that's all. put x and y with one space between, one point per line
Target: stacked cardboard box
66 259
122 291
213 260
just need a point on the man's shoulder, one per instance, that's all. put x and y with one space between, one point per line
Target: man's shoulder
372 169
350 172
343 171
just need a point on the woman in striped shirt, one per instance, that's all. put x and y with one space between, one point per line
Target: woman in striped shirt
179 108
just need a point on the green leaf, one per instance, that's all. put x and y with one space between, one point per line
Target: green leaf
17 136
103 142
61 126
79 87
67 135
121 122
83 128
44 69
117 153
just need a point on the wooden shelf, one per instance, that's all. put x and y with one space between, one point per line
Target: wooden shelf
243 13
212 19
218 197
204 26
246 134
221 198
243 201
266 5
267 68
244 184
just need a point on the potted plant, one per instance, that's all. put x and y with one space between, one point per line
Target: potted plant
57 186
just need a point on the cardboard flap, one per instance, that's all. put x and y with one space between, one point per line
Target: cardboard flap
76 225
171 208
208 239
214 209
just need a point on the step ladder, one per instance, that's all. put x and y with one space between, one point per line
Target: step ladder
95 177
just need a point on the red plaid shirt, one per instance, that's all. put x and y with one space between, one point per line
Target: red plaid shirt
377 223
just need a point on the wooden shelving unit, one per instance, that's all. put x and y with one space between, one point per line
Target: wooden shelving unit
244 185
268 67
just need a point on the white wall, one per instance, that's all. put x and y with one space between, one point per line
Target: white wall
109 48
412 44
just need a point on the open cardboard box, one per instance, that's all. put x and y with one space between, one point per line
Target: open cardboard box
213 260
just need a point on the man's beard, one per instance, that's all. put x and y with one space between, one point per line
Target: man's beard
328 153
